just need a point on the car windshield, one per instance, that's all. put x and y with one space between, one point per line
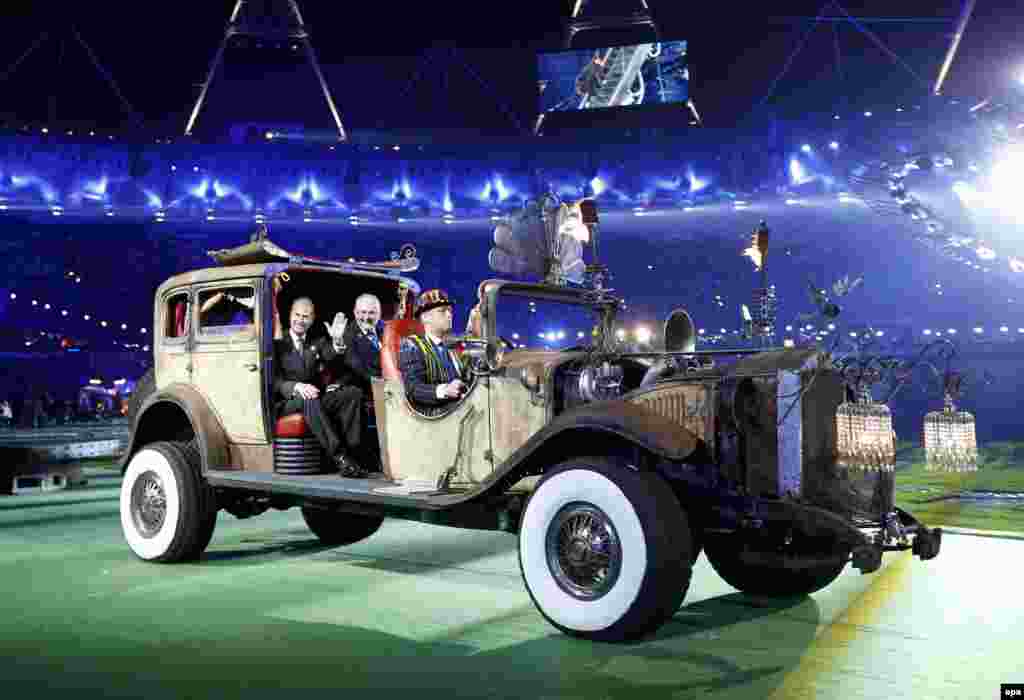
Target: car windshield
541 324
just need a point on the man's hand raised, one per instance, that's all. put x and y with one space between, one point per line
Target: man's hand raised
337 329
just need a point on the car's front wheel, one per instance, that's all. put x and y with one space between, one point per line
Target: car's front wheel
604 550
168 512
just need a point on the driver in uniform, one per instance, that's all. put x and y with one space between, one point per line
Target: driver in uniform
434 376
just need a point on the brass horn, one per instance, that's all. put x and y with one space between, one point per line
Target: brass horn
680 334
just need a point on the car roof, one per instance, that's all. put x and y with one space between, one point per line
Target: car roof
214 274
259 270
261 256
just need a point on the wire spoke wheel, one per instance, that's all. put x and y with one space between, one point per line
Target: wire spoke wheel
149 503
584 551
168 512
605 551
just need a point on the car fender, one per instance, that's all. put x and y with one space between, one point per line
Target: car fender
211 440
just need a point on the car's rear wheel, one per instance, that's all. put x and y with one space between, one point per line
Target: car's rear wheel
168 513
787 569
604 550
336 528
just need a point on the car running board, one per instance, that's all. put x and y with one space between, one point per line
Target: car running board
415 494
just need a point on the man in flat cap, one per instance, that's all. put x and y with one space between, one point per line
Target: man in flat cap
434 376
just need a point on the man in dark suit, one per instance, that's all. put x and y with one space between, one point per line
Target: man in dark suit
334 416
589 81
434 376
363 341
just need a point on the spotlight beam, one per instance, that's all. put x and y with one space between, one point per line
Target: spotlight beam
879 43
961 25
21 59
106 75
209 76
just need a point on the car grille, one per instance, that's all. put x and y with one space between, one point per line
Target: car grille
689 405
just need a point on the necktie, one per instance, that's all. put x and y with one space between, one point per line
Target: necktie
298 345
373 339
446 360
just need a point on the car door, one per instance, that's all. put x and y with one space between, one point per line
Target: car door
174 342
226 357
421 448
416 447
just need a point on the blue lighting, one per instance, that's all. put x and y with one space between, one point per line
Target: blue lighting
797 172
505 191
202 190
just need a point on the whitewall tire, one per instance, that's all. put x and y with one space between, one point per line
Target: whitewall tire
167 511
605 551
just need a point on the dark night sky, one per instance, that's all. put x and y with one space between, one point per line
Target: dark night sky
159 53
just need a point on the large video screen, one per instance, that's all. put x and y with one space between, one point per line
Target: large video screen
616 76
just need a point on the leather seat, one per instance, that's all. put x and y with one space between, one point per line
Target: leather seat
180 319
291 426
391 344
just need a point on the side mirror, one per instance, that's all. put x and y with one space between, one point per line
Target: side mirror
680 334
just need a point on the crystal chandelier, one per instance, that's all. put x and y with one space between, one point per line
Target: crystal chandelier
949 439
864 435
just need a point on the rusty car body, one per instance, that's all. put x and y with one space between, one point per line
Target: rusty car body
613 481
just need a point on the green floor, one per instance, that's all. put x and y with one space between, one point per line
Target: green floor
422 611
925 493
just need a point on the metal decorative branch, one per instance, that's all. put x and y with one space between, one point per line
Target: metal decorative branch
952 383
865 439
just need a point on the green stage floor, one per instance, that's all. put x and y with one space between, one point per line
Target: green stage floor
419 611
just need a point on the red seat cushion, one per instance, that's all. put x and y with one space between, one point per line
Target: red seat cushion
291 426
394 331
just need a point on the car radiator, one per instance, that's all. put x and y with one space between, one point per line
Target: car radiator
690 404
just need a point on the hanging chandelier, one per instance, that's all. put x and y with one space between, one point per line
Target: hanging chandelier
950 443
864 435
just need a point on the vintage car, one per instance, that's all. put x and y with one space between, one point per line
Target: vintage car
614 469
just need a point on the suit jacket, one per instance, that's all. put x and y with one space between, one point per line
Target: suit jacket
291 368
362 357
419 387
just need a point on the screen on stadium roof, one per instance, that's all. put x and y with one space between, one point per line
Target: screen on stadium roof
637 75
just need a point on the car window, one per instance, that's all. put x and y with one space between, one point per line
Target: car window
540 324
226 310
176 317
